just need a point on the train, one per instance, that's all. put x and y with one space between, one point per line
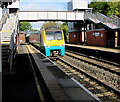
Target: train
50 40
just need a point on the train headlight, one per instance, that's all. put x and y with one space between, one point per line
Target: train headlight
47 46
62 45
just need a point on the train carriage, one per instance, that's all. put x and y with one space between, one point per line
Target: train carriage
51 41
34 38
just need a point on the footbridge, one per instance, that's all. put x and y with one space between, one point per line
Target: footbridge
69 16
112 22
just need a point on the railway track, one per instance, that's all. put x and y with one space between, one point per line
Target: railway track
106 65
104 84
96 75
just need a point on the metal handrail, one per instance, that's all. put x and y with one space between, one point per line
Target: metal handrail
91 16
107 20
3 19
12 42
116 20
98 17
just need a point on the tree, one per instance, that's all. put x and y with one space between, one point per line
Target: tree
99 6
49 24
33 30
24 26
104 7
64 27
113 8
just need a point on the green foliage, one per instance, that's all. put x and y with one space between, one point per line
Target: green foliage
24 26
64 27
104 7
49 24
34 30
113 8
98 6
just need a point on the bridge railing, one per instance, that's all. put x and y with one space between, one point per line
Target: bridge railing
116 20
13 42
51 15
97 17
3 19
112 23
91 16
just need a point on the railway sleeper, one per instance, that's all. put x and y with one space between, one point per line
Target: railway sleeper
108 94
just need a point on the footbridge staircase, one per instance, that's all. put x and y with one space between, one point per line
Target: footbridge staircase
113 22
8 32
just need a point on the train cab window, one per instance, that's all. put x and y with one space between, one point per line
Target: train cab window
53 35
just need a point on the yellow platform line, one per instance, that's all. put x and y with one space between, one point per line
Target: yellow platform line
39 89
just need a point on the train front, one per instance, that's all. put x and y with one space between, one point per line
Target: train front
54 42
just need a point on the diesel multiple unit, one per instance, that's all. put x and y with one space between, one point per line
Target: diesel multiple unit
50 40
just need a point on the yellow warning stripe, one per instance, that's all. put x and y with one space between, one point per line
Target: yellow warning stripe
10 23
5 42
12 18
6 31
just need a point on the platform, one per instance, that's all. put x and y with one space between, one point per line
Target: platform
113 50
55 85
61 86
20 86
109 54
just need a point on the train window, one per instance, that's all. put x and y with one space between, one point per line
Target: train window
53 35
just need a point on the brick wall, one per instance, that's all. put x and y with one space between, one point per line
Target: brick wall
97 38
73 37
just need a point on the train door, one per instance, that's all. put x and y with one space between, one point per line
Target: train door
40 39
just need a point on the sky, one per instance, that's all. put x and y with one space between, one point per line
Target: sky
52 5
44 5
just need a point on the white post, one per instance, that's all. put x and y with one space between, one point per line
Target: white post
116 39
0 41
0 12
0 60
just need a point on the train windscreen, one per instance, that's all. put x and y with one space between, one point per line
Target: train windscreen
53 35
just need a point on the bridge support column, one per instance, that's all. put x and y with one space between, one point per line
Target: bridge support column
84 34
78 32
